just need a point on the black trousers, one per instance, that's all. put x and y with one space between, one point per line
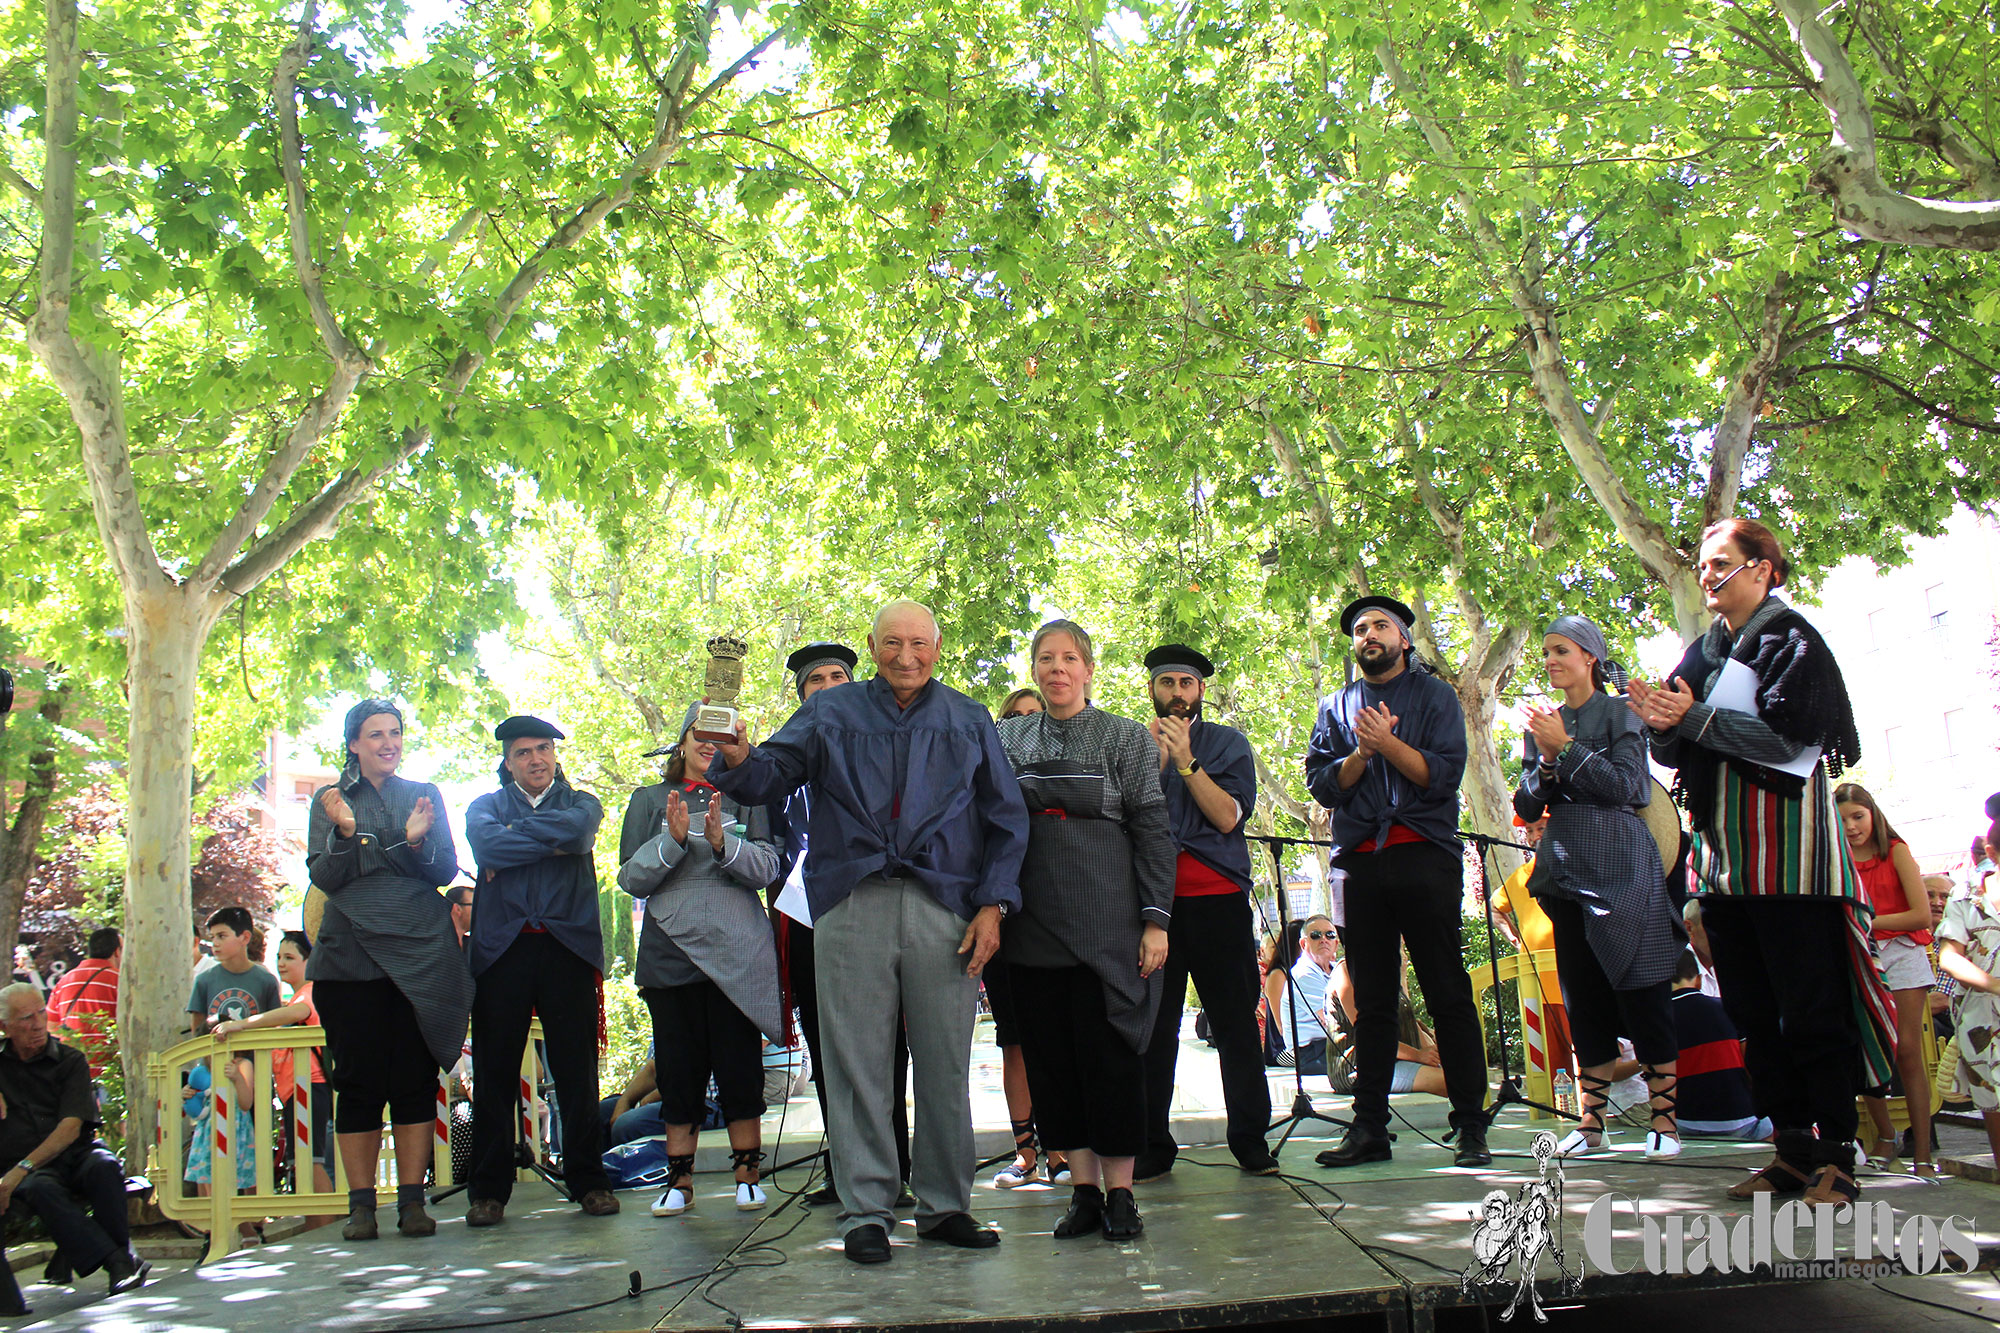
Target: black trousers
1088 1085
536 975
698 1032
1598 1015
375 1055
1782 964
803 977
1408 896
805 994
1210 941
87 1230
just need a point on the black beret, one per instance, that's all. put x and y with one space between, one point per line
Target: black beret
1178 656
522 725
1402 613
814 653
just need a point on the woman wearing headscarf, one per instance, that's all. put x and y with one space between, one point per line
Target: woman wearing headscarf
389 979
707 969
1756 718
1084 953
1597 874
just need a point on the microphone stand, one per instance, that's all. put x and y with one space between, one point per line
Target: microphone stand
1509 1093
1303 1109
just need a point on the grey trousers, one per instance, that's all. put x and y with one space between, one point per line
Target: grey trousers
890 945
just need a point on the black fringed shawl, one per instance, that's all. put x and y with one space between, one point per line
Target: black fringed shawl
1800 695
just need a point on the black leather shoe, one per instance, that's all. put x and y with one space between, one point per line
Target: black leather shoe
1121 1216
1255 1163
125 1273
823 1196
1471 1147
959 1229
1358 1146
868 1244
1086 1213
1152 1166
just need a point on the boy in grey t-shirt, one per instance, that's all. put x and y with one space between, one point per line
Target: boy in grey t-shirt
235 987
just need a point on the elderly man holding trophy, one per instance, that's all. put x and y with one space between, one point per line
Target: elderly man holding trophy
914 851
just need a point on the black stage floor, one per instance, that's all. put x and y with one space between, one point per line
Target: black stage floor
1382 1245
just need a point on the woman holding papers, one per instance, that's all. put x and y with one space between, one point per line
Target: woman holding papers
706 968
1757 720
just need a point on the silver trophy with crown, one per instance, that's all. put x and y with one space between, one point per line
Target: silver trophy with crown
715 720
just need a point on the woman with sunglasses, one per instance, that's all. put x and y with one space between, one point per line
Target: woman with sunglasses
1758 722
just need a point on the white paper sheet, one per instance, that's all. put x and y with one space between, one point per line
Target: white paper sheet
792 898
1736 689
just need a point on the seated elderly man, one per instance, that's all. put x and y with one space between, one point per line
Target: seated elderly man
45 1104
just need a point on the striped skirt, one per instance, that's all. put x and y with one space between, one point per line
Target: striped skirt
1760 844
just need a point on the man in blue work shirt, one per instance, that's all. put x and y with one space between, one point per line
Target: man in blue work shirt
1386 756
913 856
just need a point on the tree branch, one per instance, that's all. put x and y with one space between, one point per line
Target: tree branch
1902 390
1848 172
291 161
20 184
1747 390
1293 466
1980 169
649 711
318 516
87 375
1549 368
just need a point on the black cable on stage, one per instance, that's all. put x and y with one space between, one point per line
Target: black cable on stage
1919 1300
632 1293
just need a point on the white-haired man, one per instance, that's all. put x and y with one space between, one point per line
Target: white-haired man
913 854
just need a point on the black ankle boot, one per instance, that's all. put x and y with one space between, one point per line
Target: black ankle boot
1086 1212
1121 1216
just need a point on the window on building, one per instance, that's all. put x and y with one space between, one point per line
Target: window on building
1934 605
1878 629
1893 740
1956 727
302 789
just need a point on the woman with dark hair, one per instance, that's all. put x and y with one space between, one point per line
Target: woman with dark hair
389 980
1902 945
294 949
707 968
1758 722
1597 875
1097 890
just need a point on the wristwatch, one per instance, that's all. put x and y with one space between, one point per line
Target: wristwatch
27 1166
1005 911
1193 767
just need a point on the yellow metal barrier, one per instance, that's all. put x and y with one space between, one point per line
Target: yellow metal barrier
224 1208
1538 1079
